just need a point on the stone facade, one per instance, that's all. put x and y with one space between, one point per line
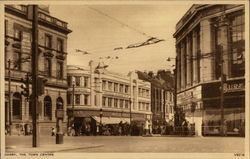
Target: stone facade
209 36
52 60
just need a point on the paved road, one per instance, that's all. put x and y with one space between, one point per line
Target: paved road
145 144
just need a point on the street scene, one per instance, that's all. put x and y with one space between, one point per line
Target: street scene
125 78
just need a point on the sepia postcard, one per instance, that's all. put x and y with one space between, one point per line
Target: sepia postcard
124 79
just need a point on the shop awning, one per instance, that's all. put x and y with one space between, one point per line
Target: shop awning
111 120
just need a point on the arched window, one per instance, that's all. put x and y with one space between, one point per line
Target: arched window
16 105
47 108
59 103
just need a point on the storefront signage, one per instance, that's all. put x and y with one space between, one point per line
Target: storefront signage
233 87
189 94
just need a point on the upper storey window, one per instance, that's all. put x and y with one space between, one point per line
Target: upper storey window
237 44
59 45
48 41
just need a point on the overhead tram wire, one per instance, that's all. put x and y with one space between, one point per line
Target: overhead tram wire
120 22
145 43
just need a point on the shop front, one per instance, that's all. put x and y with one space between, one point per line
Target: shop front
231 112
105 122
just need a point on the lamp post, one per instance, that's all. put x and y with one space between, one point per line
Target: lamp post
9 105
130 116
101 116
73 100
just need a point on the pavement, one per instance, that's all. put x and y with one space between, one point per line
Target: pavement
121 144
47 144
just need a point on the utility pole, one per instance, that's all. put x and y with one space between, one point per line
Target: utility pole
35 139
222 23
73 101
130 116
223 79
9 105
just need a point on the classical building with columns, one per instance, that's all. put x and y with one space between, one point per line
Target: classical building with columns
210 48
52 60
96 95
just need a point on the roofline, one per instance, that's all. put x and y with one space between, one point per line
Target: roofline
196 9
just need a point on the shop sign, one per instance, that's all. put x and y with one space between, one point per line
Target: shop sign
188 95
233 87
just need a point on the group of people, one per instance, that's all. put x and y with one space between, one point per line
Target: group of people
120 129
22 129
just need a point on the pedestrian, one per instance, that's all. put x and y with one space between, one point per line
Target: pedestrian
189 129
53 131
146 128
184 128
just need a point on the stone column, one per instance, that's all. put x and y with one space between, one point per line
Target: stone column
195 58
178 64
182 69
223 41
206 51
188 61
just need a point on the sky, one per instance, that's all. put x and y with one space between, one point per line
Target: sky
98 29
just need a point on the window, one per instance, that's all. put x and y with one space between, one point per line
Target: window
126 104
77 80
16 105
17 34
143 92
121 88
47 108
109 102
86 81
59 45
60 70
143 106
47 67
69 80
104 101
115 103
147 106
86 99
121 103
104 85
126 88
95 100
59 103
48 41
110 86
237 40
69 98
77 99
116 87
17 59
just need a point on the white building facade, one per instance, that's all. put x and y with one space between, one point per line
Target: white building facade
101 96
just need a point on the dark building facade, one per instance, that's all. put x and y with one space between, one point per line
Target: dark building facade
52 61
210 48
